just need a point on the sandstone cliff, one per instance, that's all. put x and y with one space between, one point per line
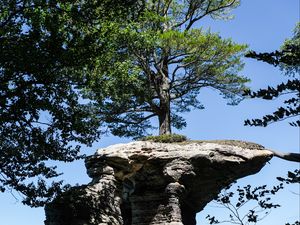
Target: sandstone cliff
143 182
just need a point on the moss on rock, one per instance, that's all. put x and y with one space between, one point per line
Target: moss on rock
166 138
182 139
242 144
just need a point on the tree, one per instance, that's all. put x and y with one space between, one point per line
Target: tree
159 64
44 47
249 205
288 60
257 198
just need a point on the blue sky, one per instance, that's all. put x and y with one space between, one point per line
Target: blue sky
263 25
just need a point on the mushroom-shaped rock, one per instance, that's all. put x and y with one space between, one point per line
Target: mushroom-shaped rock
145 182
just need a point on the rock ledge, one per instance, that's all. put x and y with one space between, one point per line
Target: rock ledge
144 182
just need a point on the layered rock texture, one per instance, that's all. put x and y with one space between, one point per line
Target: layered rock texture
142 183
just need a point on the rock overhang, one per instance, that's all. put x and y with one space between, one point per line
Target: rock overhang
145 182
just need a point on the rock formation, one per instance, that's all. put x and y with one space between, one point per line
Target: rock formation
142 183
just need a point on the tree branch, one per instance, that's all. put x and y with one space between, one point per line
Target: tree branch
207 12
126 121
289 156
167 7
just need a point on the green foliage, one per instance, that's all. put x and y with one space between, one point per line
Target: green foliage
68 67
156 66
46 48
288 60
166 138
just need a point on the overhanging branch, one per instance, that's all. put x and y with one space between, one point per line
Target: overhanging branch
289 156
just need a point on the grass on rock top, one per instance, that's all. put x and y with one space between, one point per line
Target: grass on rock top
177 138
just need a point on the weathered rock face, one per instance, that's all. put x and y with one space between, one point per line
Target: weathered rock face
143 183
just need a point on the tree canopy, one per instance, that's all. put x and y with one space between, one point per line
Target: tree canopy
158 64
45 48
70 70
288 60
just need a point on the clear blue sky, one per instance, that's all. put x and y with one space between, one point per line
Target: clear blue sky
263 25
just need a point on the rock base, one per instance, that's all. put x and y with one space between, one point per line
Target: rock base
143 183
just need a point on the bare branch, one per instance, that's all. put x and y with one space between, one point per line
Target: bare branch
191 18
290 156
141 109
179 55
167 7
209 12
137 122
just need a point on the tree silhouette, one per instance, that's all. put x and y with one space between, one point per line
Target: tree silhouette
288 60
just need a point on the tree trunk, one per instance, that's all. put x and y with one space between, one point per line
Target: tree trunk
165 119
165 99
165 108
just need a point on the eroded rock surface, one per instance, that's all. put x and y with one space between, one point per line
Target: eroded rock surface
142 183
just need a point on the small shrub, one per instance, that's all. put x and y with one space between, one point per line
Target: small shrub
166 138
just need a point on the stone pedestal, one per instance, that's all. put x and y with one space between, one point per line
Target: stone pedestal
146 183
97 203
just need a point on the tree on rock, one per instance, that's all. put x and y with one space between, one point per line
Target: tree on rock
159 63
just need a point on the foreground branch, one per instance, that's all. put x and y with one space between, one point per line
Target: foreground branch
290 156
